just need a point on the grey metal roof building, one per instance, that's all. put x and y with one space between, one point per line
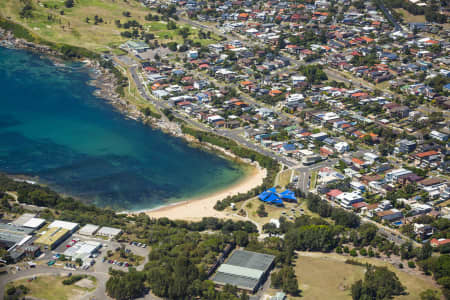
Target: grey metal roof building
11 235
244 269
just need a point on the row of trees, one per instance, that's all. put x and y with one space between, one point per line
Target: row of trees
69 208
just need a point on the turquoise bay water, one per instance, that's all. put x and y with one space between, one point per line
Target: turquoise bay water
54 129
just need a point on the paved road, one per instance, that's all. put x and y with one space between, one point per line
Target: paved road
389 16
391 234
100 269
304 172
99 292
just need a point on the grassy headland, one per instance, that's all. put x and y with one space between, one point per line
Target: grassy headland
92 24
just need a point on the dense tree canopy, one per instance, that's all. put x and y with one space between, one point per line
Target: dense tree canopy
379 283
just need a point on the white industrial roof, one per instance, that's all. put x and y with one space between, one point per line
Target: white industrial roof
109 231
82 248
88 229
23 219
64 224
34 223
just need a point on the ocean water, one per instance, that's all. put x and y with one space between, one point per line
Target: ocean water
53 129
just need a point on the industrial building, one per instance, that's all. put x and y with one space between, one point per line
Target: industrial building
88 229
82 250
12 235
34 223
109 232
53 237
70 226
245 269
29 220
20 221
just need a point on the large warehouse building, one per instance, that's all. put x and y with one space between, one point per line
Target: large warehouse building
53 237
245 269
12 235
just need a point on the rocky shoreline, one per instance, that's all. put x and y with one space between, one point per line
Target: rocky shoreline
103 80
105 83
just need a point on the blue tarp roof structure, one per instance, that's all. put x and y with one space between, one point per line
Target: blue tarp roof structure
289 147
288 195
271 196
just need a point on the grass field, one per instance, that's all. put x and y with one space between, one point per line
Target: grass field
133 95
313 180
273 212
410 18
71 26
39 288
284 178
327 276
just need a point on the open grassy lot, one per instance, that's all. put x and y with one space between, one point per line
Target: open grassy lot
39 288
273 211
52 21
410 18
327 276
290 211
313 180
284 178
72 28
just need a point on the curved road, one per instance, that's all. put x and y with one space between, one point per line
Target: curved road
225 133
98 293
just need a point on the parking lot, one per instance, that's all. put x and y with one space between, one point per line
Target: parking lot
98 262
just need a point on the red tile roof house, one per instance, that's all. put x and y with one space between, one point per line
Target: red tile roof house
425 155
358 163
359 205
331 195
439 242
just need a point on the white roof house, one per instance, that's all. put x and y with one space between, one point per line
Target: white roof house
70 226
88 229
160 93
347 199
295 98
370 156
109 231
215 118
297 79
438 135
341 147
395 174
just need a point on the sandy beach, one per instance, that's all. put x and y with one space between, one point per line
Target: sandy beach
196 209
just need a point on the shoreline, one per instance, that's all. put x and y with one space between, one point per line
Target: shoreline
203 206
104 81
